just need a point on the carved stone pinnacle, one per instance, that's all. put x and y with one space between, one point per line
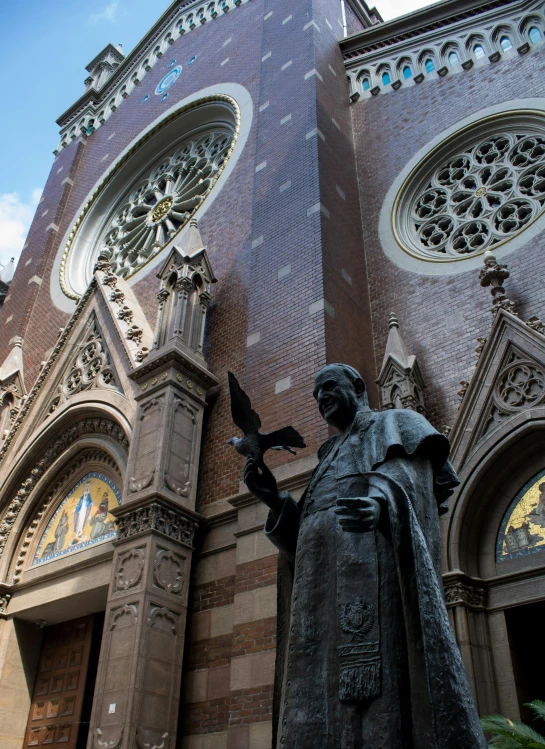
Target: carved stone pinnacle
493 274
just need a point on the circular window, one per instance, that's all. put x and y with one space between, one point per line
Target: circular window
476 190
148 197
168 80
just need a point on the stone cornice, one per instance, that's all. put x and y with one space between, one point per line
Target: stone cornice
130 72
420 23
367 16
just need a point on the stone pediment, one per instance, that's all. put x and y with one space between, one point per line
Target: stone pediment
109 323
509 378
89 367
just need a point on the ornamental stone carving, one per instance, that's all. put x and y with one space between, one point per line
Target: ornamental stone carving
144 742
457 593
105 744
168 570
474 195
130 568
151 209
156 517
124 616
91 367
519 385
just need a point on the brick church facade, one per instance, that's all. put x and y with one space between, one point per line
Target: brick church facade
264 187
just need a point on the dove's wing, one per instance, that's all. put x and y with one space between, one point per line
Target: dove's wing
242 412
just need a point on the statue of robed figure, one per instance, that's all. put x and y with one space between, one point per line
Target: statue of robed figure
366 657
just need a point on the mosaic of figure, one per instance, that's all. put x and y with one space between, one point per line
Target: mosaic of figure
366 655
81 519
522 529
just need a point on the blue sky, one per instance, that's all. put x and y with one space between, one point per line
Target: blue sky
46 45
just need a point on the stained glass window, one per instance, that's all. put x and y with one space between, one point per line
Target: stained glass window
522 529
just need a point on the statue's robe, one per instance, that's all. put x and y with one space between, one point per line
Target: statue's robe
366 655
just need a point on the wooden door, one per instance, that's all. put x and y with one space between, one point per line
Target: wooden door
55 712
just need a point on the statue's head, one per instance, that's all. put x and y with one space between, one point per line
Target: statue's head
340 393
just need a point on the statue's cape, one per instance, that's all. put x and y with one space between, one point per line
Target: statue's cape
402 433
380 437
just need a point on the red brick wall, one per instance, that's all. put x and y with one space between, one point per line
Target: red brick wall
440 316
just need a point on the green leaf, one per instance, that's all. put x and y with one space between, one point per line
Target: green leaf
511 734
538 707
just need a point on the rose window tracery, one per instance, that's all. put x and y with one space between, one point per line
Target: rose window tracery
154 210
473 197
135 211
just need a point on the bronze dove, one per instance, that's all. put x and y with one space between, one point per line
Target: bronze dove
254 443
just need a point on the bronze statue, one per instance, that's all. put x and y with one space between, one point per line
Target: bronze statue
366 657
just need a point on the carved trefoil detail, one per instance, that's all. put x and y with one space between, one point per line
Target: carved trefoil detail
168 571
90 367
105 744
519 385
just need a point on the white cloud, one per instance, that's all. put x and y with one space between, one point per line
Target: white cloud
109 14
16 216
389 9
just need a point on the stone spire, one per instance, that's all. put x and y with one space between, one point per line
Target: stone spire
186 280
400 381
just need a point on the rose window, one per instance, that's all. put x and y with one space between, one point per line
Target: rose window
154 211
472 198
150 193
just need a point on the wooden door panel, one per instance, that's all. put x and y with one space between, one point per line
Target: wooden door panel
55 711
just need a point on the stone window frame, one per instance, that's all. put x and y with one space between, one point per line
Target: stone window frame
230 95
394 247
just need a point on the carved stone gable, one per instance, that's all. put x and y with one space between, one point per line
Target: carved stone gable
509 378
90 366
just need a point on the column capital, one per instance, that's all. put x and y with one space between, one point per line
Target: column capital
156 515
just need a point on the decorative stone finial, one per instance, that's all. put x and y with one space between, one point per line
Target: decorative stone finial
493 274
103 260
393 322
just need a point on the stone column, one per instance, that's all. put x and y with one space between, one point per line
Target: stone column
138 682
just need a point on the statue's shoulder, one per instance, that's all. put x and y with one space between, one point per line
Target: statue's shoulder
402 419
398 431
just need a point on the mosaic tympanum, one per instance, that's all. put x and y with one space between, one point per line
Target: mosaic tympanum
82 519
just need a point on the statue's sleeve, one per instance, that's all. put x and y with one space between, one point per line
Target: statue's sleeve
415 475
283 529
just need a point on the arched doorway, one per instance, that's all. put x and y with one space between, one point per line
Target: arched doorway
495 583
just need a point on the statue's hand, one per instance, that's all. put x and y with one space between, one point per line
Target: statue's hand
262 483
358 514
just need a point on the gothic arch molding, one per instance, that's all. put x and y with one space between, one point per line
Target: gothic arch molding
45 505
40 466
489 480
